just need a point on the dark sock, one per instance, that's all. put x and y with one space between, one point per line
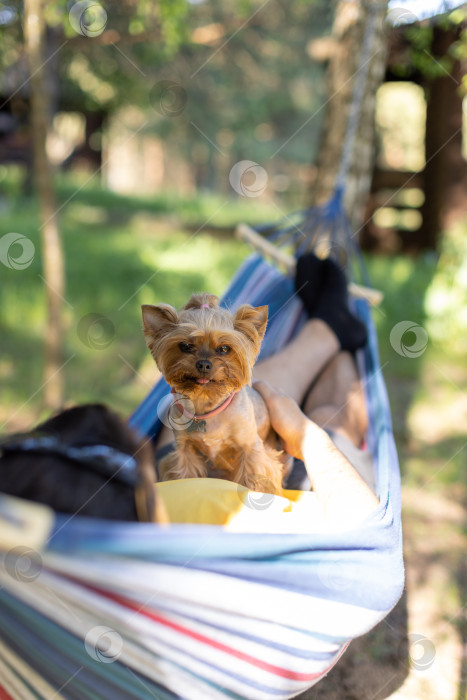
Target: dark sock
333 308
309 280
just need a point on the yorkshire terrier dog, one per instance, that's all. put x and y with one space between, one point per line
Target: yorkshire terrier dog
206 354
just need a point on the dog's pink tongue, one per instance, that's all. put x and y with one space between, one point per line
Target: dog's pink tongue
202 381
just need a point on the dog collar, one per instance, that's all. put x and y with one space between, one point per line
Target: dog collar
209 414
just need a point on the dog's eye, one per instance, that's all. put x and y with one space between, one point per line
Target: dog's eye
186 347
223 349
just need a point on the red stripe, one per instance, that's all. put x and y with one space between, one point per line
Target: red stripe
276 670
4 695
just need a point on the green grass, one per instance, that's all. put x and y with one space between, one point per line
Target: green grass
220 210
426 390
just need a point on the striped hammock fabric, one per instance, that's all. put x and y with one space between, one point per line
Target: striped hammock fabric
105 610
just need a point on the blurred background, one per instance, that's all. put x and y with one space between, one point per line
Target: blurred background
120 124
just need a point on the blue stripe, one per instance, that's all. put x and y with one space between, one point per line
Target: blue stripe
57 655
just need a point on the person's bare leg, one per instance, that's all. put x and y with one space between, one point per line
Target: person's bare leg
337 400
295 367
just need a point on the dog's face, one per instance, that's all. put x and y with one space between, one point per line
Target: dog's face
204 351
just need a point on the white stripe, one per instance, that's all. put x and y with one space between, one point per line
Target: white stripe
151 581
258 628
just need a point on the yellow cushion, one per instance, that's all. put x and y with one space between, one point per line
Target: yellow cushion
221 502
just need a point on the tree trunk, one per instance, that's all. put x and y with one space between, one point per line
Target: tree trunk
51 245
445 169
349 26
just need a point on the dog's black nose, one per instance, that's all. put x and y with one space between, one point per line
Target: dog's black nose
203 365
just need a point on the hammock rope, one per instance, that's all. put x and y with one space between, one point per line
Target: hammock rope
355 107
326 228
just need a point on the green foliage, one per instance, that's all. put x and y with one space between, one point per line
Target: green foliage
173 15
100 69
446 300
420 58
262 77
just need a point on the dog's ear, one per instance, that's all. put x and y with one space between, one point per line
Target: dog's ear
158 320
252 321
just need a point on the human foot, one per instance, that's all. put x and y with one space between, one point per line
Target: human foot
322 286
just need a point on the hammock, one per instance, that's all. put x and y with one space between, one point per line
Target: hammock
194 611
